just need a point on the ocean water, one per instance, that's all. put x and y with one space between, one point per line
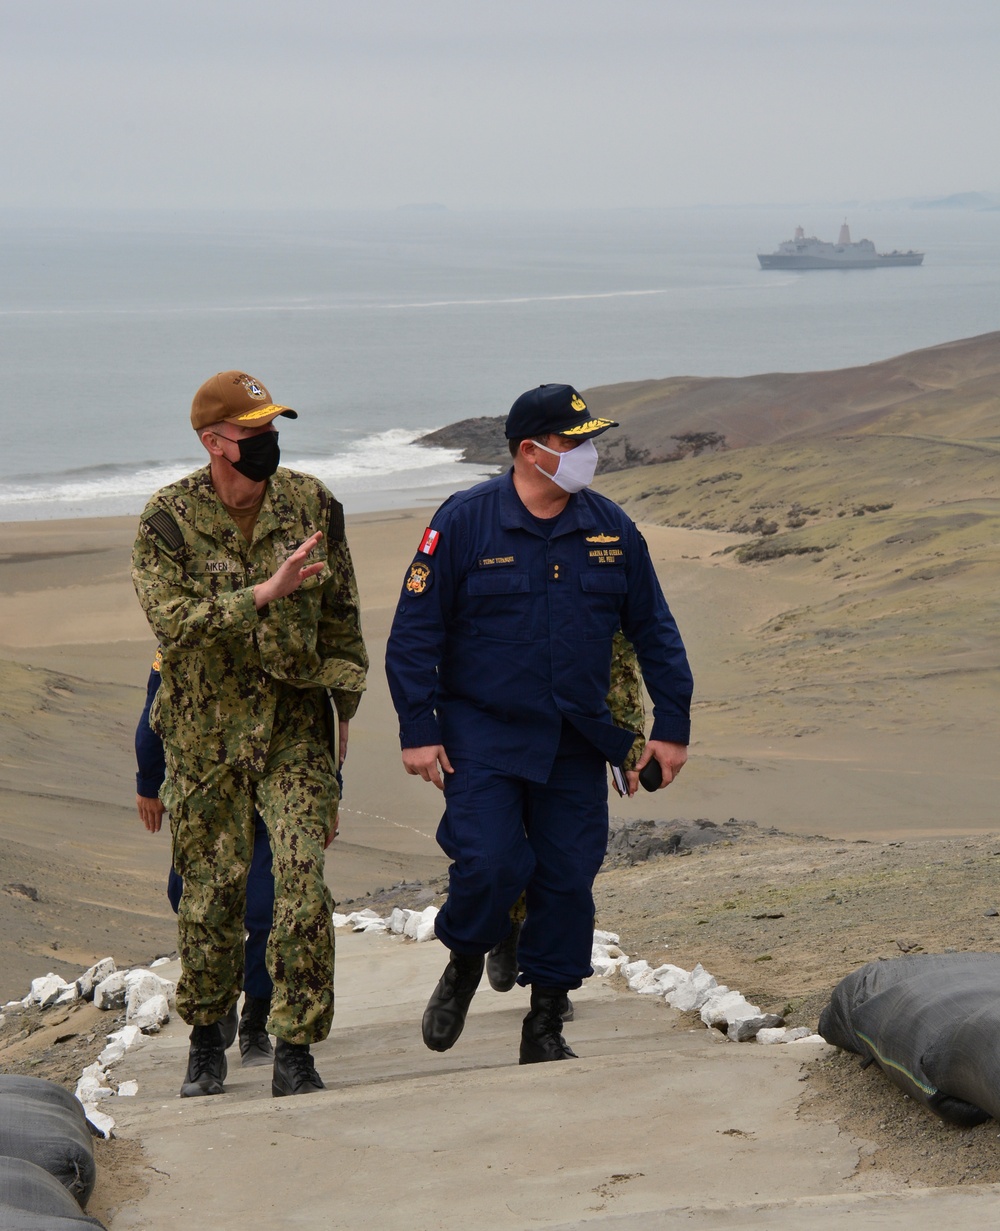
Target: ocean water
379 327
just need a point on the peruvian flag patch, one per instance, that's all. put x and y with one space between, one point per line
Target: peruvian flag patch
428 544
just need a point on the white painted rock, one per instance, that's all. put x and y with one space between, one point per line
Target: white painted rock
606 938
690 994
128 1089
666 978
46 990
397 920
743 1029
96 974
776 1034
636 968
102 1125
110 992
142 985
426 929
152 1014
118 1043
723 1006
605 965
112 1053
91 1088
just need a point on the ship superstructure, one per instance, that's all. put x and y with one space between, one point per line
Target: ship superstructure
808 252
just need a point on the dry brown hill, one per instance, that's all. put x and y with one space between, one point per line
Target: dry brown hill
948 390
883 484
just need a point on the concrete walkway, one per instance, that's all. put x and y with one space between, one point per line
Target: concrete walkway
654 1127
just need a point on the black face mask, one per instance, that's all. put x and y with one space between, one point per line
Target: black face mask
259 456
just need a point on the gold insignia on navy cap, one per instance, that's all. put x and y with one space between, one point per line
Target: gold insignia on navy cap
555 410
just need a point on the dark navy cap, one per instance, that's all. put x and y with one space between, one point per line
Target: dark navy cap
552 408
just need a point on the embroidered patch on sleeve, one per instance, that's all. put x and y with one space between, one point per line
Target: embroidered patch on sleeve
165 528
419 578
428 544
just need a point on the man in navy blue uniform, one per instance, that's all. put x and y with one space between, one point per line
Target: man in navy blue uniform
498 662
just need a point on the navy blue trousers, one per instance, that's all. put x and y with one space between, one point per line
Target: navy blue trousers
259 912
506 835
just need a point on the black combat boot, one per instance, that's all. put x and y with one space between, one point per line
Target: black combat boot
446 1010
294 1070
566 1011
206 1070
255 1046
501 961
541 1034
228 1026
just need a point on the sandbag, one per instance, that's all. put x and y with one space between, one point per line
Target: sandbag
931 1022
45 1124
33 1200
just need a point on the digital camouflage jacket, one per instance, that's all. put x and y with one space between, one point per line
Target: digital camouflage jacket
625 696
224 664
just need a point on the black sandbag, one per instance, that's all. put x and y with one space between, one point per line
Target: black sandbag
45 1124
836 1022
33 1200
930 1021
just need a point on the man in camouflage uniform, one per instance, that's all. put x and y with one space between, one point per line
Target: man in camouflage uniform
627 710
244 574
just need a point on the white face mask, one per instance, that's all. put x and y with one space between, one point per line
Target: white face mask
576 466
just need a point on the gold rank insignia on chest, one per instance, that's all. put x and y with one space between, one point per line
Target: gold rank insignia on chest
419 578
604 552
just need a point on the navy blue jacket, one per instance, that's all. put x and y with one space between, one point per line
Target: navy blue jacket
502 632
149 758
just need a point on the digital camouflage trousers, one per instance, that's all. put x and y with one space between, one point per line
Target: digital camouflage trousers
212 826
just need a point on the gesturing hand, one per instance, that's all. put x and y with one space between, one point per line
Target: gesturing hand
290 575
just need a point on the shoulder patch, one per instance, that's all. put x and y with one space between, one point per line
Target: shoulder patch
428 544
336 529
419 578
165 528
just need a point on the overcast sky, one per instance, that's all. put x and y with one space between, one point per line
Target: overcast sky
535 103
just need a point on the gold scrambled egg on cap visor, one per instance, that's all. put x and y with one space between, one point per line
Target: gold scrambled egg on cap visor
262 414
590 428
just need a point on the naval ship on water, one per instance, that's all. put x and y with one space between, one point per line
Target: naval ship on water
812 253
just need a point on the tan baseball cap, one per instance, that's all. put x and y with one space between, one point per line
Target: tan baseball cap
234 397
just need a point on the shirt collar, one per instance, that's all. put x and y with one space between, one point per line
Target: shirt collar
577 515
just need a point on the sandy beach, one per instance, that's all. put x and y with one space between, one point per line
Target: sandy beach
866 824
